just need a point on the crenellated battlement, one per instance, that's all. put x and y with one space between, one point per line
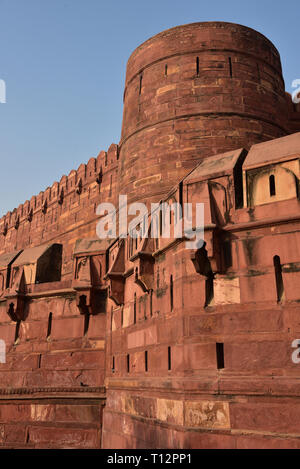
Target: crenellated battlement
63 206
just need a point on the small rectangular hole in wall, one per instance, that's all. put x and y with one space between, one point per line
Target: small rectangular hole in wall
128 363
230 66
278 278
141 84
166 70
113 365
151 303
220 355
169 359
146 360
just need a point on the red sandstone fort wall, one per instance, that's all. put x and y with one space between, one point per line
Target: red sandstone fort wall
186 349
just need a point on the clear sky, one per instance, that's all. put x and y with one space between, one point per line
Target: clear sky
64 63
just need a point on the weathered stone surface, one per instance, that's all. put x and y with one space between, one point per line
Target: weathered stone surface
143 343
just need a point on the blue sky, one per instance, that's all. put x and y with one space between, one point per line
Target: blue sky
64 64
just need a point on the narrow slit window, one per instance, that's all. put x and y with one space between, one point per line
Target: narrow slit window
166 70
272 185
220 355
278 278
110 186
49 326
169 359
230 66
113 365
141 84
128 363
86 323
171 293
134 309
209 290
146 360
197 66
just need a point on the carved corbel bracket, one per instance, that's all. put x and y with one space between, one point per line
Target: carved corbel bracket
116 287
144 271
16 296
84 300
116 276
15 307
90 298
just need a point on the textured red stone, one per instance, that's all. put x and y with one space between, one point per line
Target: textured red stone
152 345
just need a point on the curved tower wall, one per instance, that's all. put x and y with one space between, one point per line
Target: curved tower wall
191 92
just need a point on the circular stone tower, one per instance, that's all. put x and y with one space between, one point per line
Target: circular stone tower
191 92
